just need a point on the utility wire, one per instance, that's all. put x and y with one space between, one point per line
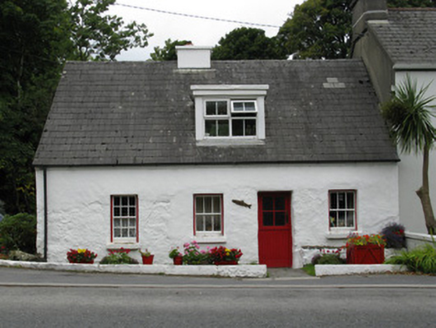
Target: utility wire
195 16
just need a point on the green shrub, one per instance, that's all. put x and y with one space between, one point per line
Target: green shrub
327 259
118 258
421 259
18 232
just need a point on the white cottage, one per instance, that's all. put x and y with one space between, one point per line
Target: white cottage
273 157
394 43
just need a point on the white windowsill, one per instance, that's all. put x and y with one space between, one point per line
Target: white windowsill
341 234
225 142
127 245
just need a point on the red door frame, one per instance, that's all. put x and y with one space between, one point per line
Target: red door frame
275 240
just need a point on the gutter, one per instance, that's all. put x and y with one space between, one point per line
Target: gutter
45 213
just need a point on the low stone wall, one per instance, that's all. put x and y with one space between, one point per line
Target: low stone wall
350 269
414 239
234 271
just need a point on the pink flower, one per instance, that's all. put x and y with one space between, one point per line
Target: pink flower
186 245
203 251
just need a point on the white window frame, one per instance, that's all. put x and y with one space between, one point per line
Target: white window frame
231 94
220 213
128 217
333 224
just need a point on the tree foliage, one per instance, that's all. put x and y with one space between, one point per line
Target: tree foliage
168 52
36 37
247 43
102 37
318 29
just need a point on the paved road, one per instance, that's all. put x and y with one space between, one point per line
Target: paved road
32 298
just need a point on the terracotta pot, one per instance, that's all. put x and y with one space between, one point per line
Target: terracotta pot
226 263
147 259
178 260
366 254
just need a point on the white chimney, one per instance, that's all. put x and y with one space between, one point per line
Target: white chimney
193 56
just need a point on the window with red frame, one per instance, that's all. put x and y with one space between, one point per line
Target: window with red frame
342 211
124 217
208 213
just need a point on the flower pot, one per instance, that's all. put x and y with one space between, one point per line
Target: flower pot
147 259
83 262
178 260
366 254
226 262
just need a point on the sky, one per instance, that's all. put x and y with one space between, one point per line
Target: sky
202 32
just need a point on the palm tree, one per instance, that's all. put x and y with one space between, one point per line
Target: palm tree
409 115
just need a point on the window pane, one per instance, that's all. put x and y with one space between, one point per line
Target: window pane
250 127
237 127
116 211
124 223
216 205
350 219
199 223
280 219
238 106
132 201
117 232
124 211
268 203
132 211
341 219
268 219
210 108
124 233
333 200
222 108
217 223
341 200
124 201
350 200
132 222
210 128
333 219
116 201
117 222
132 233
199 205
208 223
249 106
207 205
280 203
223 128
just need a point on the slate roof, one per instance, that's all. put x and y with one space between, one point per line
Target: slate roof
409 36
142 113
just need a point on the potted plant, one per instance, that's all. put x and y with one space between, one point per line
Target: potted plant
81 255
118 256
194 255
366 249
225 256
176 256
394 235
147 257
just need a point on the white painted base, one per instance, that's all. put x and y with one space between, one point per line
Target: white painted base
349 269
233 271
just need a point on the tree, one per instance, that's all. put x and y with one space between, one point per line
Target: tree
168 52
408 115
34 39
247 43
99 37
318 29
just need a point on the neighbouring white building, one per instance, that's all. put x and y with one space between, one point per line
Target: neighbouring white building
394 43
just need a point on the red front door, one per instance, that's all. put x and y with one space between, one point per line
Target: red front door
275 237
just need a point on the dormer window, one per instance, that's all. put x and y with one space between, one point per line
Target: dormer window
229 113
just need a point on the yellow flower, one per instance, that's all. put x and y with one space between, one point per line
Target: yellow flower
81 250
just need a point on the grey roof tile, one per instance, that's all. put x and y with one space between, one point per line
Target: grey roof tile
142 113
409 36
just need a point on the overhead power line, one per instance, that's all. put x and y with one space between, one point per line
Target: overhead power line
195 16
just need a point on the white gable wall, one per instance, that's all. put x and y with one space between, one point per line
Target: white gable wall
79 204
410 167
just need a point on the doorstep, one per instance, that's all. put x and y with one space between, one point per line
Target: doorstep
233 271
349 269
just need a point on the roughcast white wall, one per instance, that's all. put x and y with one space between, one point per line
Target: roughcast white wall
79 204
410 167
